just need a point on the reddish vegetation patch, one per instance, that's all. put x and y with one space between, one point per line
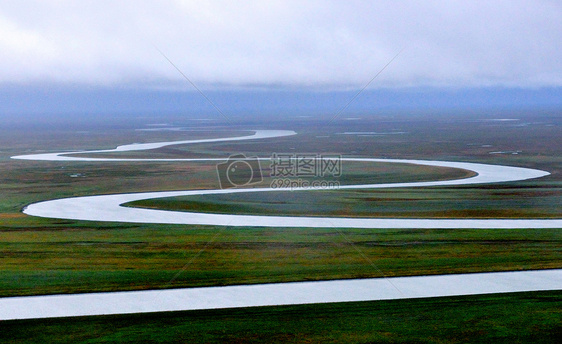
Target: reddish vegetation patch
11 216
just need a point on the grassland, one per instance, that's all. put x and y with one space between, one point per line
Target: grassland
506 318
514 200
43 256
105 257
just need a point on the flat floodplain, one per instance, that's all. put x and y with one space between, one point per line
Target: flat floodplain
108 257
45 256
516 200
500 318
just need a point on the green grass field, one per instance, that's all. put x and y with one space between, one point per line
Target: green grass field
506 318
509 200
45 256
106 257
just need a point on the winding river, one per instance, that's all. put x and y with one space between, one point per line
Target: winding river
109 208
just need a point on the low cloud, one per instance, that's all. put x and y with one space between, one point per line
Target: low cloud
324 44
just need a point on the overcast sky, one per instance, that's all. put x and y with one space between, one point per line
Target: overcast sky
325 44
